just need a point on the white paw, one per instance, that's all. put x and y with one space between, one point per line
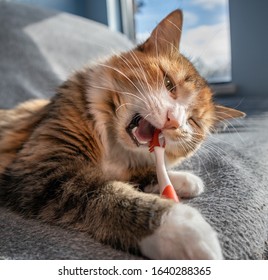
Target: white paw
183 234
186 184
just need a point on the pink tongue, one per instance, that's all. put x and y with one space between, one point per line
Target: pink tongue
144 131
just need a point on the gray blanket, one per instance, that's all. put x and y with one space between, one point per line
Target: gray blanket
37 51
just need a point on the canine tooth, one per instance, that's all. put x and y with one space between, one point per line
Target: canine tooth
134 129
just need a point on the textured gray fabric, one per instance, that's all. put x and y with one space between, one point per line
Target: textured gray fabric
37 51
30 239
234 166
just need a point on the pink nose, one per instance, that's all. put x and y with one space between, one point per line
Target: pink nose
171 122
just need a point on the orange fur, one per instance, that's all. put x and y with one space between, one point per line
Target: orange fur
72 160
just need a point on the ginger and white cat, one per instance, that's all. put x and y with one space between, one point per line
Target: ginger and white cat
81 159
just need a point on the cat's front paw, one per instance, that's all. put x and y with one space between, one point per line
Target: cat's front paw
183 234
186 184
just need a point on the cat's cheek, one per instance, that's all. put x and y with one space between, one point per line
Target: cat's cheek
183 234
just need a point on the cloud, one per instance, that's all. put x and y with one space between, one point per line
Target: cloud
208 43
208 4
207 46
189 18
211 42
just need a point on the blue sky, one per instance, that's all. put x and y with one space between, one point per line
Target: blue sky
205 34
202 11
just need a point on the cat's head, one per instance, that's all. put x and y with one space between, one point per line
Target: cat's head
155 86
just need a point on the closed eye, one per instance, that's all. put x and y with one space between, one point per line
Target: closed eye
193 122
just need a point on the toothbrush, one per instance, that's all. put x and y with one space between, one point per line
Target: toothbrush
157 145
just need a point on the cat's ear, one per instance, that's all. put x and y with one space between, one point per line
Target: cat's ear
166 36
222 113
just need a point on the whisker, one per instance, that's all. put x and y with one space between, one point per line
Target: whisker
193 147
122 92
216 153
136 59
211 136
175 25
147 116
157 54
199 157
120 72
128 103
229 124
131 67
215 150
153 105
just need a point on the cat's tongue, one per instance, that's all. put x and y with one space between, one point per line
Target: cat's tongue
144 132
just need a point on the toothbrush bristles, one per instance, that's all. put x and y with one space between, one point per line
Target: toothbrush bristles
155 142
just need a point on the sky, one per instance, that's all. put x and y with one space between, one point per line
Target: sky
205 36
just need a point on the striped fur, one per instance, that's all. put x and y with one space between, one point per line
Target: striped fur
69 161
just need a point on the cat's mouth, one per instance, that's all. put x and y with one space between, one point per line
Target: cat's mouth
140 130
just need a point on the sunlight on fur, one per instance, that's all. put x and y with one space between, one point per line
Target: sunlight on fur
81 159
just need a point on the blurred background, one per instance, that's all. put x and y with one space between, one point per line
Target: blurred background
226 40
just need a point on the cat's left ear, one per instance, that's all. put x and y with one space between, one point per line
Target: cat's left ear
166 36
222 113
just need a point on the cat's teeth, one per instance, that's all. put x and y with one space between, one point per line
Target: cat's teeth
133 130
143 142
134 135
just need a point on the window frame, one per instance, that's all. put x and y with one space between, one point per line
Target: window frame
127 8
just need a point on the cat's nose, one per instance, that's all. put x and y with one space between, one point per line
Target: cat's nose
171 122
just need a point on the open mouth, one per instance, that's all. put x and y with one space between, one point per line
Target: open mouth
140 130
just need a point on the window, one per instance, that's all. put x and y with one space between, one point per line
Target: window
206 32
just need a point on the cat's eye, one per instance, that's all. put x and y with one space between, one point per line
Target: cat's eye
169 84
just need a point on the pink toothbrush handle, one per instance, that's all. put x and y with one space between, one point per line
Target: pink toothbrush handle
157 146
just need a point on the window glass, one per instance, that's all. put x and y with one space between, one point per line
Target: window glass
205 36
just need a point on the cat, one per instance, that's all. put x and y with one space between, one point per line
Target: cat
81 159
